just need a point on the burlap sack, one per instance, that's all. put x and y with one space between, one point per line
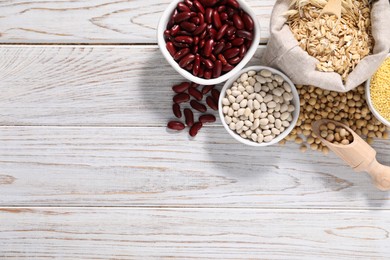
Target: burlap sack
284 53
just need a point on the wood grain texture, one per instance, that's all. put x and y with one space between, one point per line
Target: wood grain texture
117 233
89 86
148 166
94 21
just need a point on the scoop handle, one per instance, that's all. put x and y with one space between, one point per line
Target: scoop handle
380 175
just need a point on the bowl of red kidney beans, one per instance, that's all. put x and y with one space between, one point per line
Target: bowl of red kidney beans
208 41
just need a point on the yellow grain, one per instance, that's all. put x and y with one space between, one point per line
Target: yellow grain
380 89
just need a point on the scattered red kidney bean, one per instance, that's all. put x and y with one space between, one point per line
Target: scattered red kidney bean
176 110
195 93
180 88
189 116
195 128
176 125
198 106
200 30
211 103
181 98
207 118
206 89
215 94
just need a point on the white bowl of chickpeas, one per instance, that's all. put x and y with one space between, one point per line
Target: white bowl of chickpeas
378 93
259 106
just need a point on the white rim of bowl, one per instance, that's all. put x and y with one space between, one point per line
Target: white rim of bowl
371 105
280 136
248 56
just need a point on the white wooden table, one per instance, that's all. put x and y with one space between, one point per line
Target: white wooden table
88 170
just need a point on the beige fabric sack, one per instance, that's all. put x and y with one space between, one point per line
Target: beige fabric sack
284 53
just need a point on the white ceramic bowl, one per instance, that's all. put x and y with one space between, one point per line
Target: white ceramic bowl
251 51
371 106
295 102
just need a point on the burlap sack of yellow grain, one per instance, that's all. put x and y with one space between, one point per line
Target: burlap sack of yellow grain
319 50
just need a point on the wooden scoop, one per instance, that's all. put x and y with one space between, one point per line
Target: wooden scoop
332 7
358 154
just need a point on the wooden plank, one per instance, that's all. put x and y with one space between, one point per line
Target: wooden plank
94 21
73 85
148 166
120 233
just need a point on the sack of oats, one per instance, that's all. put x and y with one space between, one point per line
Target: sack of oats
325 52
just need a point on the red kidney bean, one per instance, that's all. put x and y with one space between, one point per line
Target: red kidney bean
218 48
227 46
180 45
217 70
182 7
213 58
176 110
175 29
208 73
194 14
189 27
201 18
208 47
195 69
224 17
209 3
222 59
208 118
233 3
201 71
195 93
194 85
212 33
203 35
180 88
181 98
175 125
244 34
184 39
208 63
206 89
200 29
235 60
198 106
180 17
221 8
195 20
227 68
238 41
243 50
231 37
249 24
171 48
181 53
189 116
189 3
238 23
221 32
208 17
195 128
184 33
215 94
231 53
171 21
195 49
167 33
216 19
196 40
186 60
231 30
199 6
211 103
189 66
